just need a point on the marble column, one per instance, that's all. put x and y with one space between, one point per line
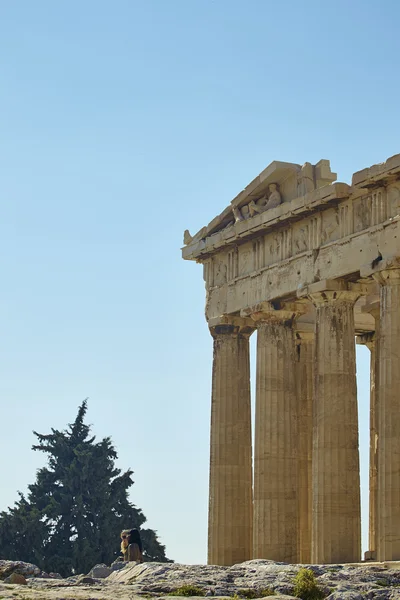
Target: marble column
275 452
371 340
305 360
336 528
368 340
373 446
388 414
230 495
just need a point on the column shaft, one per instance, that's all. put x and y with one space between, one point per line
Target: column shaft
230 500
388 422
336 535
275 462
370 340
372 451
305 359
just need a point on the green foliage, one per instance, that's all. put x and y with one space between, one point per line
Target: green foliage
71 518
251 593
188 590
305 586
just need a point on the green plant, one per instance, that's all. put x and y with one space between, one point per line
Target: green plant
382 582
305 586
249 593
72 514
252 593
187 590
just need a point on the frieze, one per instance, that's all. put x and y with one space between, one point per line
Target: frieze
331 227
233 264
393 199
347 218
283 278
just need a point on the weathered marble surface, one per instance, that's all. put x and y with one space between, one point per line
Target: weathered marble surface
344 582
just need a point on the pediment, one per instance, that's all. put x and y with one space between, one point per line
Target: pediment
280 182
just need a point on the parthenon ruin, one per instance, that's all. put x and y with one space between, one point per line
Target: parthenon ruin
312 266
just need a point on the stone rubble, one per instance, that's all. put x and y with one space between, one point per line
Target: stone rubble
374 581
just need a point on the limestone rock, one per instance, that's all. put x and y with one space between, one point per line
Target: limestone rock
7 567
368 581
100 571
345 596
16 578
117 565
86 579
55 576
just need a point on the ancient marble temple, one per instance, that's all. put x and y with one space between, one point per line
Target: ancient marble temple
309 266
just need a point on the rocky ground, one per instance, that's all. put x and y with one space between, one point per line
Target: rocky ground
252 579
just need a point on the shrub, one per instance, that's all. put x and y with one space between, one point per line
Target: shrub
188 590
305 586
252 593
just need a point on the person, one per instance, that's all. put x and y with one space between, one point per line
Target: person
131 546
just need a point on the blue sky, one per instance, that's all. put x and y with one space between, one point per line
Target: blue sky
122 124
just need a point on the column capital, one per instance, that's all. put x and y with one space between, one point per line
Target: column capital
229 324
385 271
329 297
326 290
388 276
274 312
366 339
333 290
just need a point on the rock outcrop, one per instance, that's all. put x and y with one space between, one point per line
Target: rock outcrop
252 579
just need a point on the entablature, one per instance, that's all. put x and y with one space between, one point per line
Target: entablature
294 193
332 232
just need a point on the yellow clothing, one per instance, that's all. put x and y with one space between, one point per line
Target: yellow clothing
131 553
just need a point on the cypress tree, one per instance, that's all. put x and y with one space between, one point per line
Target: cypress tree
73 513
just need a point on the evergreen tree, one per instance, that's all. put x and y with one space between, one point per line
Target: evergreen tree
75 510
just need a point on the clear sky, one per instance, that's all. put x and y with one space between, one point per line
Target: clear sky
121 124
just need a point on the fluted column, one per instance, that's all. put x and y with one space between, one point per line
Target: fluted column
305 360
230 496
275 452
388 422
373 470
371 340
336 530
